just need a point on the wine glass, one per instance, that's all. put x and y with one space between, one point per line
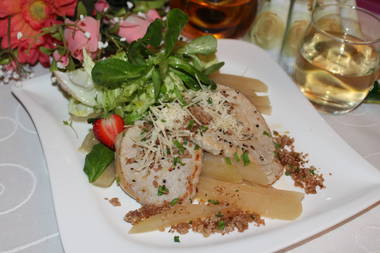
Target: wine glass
338 58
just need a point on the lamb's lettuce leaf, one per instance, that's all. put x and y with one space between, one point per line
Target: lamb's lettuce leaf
97 161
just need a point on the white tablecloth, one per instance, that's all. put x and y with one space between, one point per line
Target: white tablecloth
27 219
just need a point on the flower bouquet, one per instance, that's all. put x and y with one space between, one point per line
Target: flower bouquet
54 33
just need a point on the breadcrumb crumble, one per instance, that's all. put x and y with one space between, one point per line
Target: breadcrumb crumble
297 165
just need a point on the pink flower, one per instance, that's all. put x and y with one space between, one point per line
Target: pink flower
27 18
62 60
101 6
135 27
83 34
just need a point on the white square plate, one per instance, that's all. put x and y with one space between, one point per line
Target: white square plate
88 223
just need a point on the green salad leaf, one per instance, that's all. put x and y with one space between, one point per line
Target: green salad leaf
157 68
112 73
176 20
204 45
97 161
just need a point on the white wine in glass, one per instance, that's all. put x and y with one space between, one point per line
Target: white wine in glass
337 63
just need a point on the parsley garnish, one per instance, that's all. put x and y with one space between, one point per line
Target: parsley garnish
203 128
245 158
181 149
214 202
267 134
221 225
287 173
176 238
196 147
177 160
312 171
162 190
190 124
236 157
228 160
174 201
276 145
117 179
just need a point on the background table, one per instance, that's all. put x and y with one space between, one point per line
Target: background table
27 219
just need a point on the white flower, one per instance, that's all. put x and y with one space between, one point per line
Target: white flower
116 20
102 45
129 5
60 65
123 39
87 35
81 17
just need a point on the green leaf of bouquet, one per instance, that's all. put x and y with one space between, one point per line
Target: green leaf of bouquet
81 9
112 73
202 45
46 50
4 61
176 20
97 161
89 4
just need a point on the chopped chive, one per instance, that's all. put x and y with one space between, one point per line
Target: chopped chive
162 190
176 238
67 122
287 173
221 225
203 128
163 121
190 124
174 201
276 145
177 160
267 134
312 171
209 101
245 158
214 202
236 157
196 147
228 160
168 151
179 146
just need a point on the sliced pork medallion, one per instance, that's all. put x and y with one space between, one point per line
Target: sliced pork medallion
156 161
232 127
